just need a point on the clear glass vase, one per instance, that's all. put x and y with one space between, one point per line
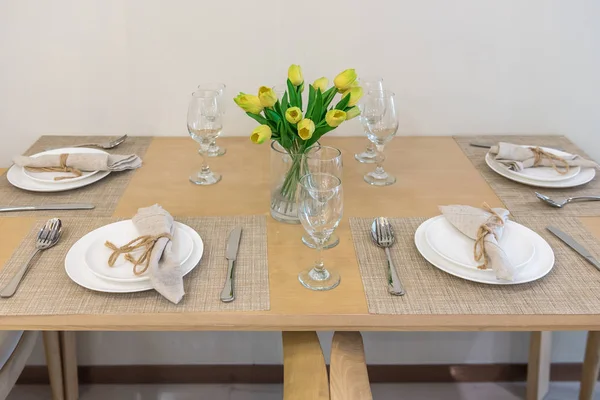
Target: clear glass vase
285 175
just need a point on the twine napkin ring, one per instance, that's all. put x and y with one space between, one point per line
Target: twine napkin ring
62 168
495 221
540 154
146 241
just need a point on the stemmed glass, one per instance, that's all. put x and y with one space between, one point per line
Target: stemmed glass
382 123
213 149
320 208
368 84
327 160
204 122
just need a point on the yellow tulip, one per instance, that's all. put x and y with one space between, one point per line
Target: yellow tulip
295 75
345 79
260 134
249 103
321 83
352 113
293 115
306 128
335 117
267 96
355 94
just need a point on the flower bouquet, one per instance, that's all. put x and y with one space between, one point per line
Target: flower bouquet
293 128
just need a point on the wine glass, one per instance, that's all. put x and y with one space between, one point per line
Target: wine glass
213 149
382 123
320 208
204 122
327 160
368 84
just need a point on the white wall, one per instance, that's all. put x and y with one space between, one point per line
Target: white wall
462 66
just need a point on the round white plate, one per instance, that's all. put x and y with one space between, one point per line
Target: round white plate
545 174
120 233
48 177
17 177
586 175
454 246
538 267
79 272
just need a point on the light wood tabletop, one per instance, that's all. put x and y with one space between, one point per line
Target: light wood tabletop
431 171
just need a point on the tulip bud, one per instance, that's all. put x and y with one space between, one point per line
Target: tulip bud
248 103
352 113
295 75
335 117
306 128
345 80
293 115
267 96
260 134
321 83
355 94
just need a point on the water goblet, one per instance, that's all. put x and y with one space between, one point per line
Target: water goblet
213 149
204 122
368 84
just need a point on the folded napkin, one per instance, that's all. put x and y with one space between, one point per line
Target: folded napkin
485 226
77 162
156 228
517 158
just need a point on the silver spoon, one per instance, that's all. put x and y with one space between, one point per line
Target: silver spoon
382 234
48 237
562 203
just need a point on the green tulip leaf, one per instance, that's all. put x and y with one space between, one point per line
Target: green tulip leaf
343 103
258 118
315 115
292 94
272 115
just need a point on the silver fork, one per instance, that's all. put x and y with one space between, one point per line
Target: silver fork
382 234
562 203
48 237
106 145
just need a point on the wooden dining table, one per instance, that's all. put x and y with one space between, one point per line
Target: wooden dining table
430 171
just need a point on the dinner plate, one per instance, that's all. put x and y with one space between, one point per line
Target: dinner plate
538 267
545 174
79 272
120 233
585 176
17 177
48 177
454 246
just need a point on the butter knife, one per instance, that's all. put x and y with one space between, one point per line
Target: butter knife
482 145
572 243
233 244
72 206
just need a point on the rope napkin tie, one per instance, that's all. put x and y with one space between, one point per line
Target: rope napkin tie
61 168
540 154
495 221
146 241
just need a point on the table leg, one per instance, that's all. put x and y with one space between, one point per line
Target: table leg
591 366
304 370
54 361
538 367
68 345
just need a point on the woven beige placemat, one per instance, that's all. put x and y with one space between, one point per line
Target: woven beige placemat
47 290
520 199
104 194
570 288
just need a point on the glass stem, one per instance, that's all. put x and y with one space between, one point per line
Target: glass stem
319 264
380 159
370 147
212 147
203 153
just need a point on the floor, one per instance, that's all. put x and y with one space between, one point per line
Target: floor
462 391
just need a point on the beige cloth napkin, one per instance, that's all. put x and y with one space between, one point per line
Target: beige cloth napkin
472 221
164 269
517 158
83 161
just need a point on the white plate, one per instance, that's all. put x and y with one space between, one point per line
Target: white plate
17 177
79 272
538 267
120 233
545 174
48 177
586 175
454 246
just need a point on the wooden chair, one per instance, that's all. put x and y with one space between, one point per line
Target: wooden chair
348 375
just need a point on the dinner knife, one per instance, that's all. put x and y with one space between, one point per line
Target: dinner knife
572 243
71 206
233 244
482 145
